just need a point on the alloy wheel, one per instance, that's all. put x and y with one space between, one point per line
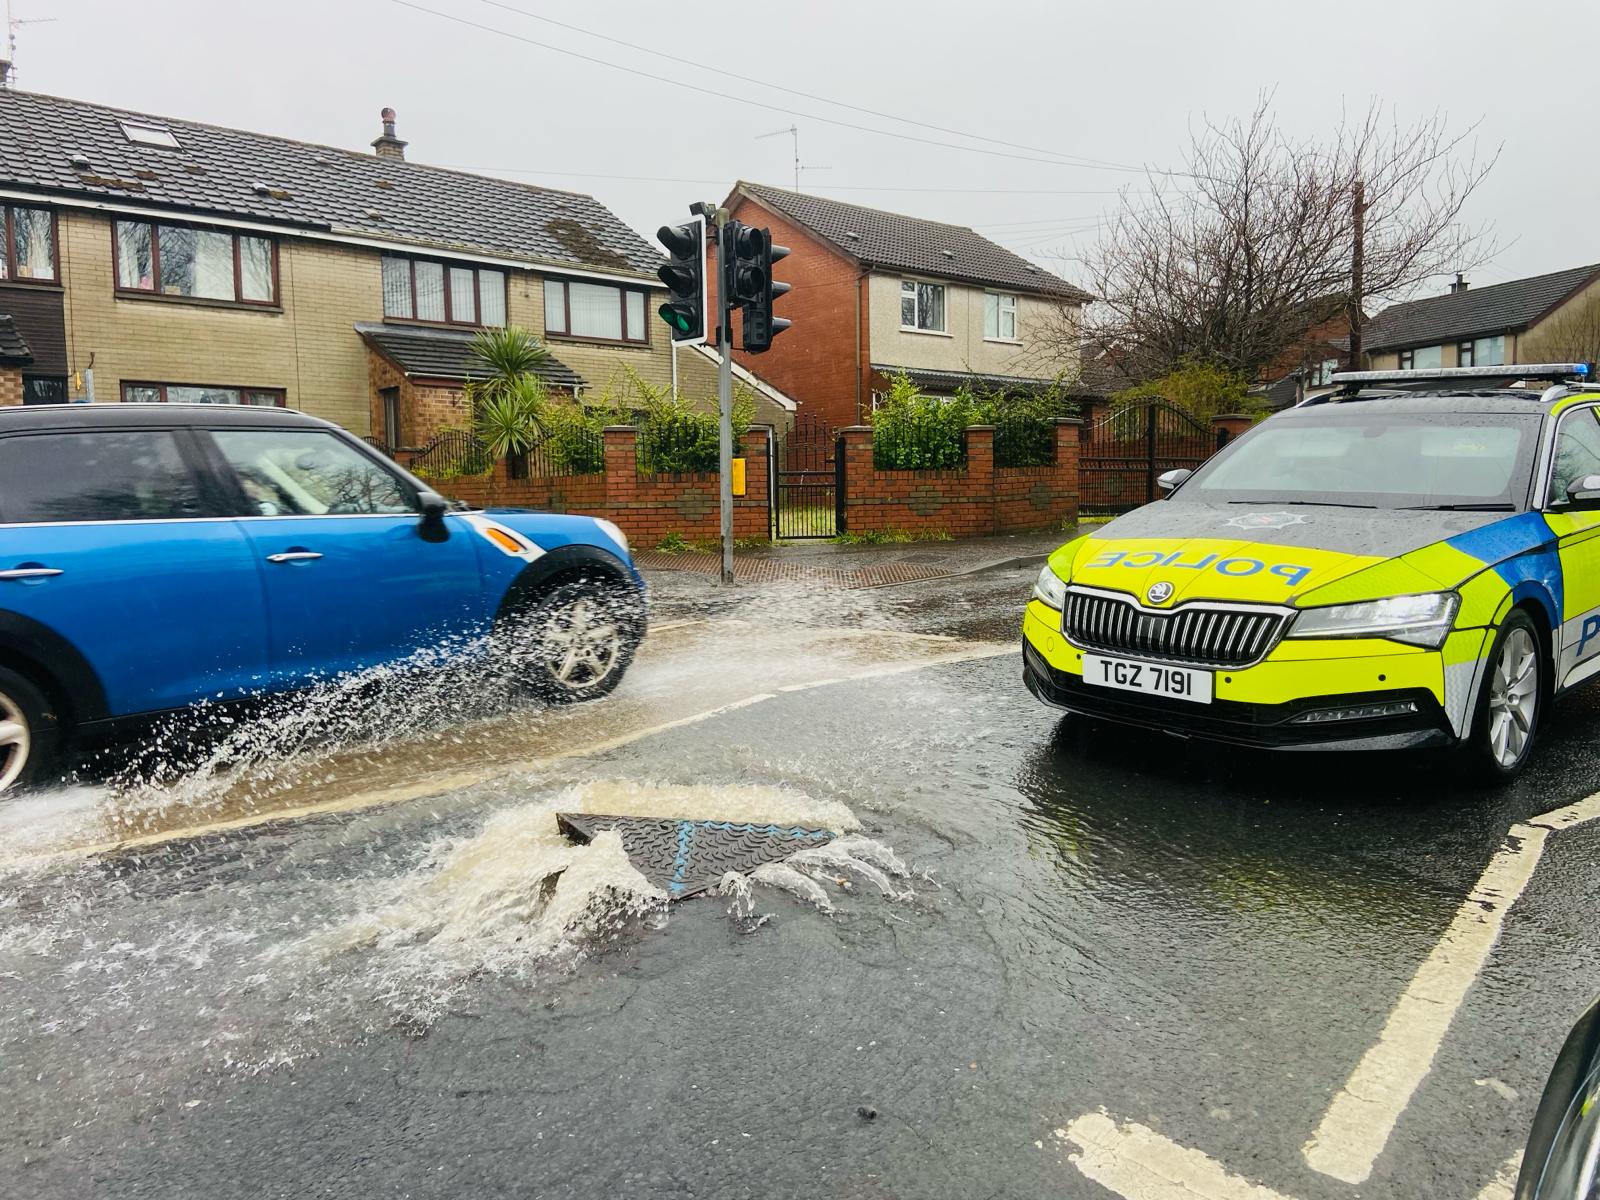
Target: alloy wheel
1513 697
582 643
15 741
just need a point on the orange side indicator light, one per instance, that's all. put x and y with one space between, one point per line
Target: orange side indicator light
504 540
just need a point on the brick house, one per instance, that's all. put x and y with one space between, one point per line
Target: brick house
148 258
1467 326
15 357
875 293
1311 359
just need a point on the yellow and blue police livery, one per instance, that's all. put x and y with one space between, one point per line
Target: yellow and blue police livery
1411 560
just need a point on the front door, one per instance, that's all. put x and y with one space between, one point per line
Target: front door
350 582
114 541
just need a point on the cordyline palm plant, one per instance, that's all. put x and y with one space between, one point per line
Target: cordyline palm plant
508 404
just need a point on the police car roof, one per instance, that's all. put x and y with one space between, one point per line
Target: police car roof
1437 400
165 416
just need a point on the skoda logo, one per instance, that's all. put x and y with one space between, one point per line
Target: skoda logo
1159 593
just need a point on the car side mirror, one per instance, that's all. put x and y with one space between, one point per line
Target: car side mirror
434 507
1168 480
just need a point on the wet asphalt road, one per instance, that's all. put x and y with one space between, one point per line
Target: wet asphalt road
1204 943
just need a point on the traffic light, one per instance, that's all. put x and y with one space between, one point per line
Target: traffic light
685 277
756 288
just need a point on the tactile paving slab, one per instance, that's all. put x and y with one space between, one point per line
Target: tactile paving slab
686 857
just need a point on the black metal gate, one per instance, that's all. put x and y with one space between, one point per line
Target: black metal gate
1121 456
805 488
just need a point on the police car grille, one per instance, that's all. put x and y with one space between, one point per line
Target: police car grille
1195 633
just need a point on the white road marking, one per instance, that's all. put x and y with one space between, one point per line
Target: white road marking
1358 1124
1141 1164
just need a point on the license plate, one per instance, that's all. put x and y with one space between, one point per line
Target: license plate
1153 679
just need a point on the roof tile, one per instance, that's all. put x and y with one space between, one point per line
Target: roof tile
1475 312
219 171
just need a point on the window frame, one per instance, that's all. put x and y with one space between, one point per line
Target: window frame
916 307
622 290
1547 502
1404 360
9 249
281 393
1000 311
154 292
446 266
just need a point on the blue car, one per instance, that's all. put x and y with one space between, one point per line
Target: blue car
155 556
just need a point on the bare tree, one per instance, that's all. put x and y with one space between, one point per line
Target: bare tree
1571 335
1234 258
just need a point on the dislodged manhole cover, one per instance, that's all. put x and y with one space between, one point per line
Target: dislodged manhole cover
685 857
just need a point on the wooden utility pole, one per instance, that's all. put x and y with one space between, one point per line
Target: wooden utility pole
1358 217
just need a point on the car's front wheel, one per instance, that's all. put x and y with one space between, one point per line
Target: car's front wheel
1511 701
574 642
27 733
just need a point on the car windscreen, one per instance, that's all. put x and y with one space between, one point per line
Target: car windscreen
1364 459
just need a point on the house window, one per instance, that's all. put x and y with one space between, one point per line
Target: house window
999 316
44 389
194 263
1322 374
29 254
921 306
198 393
1464 355
419 289
595 310
149 135
391 416
1489 351
1427 358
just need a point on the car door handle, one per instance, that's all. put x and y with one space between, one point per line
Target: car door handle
30 573
293 556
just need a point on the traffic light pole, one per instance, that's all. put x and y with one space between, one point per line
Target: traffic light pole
725 259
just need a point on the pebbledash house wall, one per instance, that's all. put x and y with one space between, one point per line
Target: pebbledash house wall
648 507
962 346
969 501
304 345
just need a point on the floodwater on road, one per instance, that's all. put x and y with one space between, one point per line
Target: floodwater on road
1032 922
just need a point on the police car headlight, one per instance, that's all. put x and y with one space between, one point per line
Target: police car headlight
1050 588
1415 620
612 532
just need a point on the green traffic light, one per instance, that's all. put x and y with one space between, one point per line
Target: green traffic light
672 316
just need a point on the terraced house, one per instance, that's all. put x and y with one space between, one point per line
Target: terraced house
154 259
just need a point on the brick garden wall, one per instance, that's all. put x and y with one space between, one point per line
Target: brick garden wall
648 507
967 502
10 386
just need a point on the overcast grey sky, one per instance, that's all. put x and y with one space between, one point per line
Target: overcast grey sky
1116 82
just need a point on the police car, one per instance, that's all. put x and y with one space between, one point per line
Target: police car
1410 560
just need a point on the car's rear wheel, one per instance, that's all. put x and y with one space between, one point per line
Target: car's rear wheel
27 733
1510 703
574 641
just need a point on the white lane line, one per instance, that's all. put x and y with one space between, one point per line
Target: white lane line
1363 1115
1505 1179
1141 1164
436 784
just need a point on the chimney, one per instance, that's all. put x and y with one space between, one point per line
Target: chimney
1460 285
388 146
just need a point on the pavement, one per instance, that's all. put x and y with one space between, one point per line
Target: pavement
832 564
1061 960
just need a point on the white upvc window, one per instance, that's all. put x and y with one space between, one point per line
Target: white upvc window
921 306
1000 316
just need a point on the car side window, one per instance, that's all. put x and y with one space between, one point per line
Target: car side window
1577 452
111 475
306 472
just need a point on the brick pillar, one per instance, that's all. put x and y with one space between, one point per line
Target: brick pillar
10 386
752 515
980 475
1066 481
855 442
1227 426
